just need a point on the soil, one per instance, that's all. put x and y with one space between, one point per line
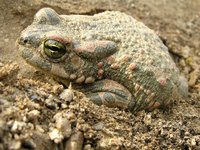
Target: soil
34 111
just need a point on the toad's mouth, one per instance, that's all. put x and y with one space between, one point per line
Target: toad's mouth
34 59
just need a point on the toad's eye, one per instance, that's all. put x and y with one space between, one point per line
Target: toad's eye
54 49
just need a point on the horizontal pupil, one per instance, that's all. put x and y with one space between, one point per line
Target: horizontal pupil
53 48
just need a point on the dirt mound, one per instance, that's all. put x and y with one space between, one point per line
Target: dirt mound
34 116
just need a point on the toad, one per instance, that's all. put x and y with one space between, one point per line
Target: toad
111 57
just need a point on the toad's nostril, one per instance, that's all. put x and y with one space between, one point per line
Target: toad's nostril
30 40
23 40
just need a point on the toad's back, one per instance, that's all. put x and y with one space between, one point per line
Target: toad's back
138 63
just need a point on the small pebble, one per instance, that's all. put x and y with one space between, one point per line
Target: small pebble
55 135
75 142
39 128
63 106
193 141
63 125
98 126
67 94
34 114
147 119
51 104
15 145
17 126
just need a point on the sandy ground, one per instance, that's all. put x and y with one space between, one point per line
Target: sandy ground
33 116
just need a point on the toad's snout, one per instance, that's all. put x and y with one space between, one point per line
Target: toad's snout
32 40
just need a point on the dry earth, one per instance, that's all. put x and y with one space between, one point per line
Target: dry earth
33 116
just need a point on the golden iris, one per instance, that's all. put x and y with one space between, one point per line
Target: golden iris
54 49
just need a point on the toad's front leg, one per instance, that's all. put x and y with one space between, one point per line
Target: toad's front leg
109 93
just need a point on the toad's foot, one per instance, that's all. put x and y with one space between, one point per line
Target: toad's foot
112 94
108 92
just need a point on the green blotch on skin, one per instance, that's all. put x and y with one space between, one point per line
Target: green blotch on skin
109 98
95 98
27 54
43 64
